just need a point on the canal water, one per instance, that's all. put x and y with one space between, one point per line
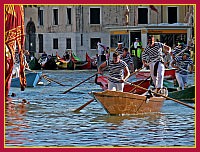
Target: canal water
48 120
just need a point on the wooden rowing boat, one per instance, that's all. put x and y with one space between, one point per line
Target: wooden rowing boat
103 82
117 103
188 94
32 79
169 74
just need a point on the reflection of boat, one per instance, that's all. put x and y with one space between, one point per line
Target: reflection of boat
188 94
32 79
169 74
116 103
103 82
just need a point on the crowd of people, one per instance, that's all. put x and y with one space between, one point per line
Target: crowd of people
156 56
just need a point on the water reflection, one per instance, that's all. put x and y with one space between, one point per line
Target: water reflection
15 121
49 119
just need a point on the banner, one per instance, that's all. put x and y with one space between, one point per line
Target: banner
14 36
153 8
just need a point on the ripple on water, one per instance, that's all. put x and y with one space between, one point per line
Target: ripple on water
49 119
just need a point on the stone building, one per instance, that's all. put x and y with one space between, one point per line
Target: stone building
58 28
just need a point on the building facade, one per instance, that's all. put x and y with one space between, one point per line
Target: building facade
58 28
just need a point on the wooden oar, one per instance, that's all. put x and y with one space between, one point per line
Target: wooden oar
140 83
87 103
186 70
154 61
157 93
83 106
144 66
47 78
80 83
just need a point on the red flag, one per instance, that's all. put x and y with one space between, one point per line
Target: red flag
153 8
14 35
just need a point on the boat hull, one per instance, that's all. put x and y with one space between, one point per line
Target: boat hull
31 80
103 82
117 103
169 74
188 94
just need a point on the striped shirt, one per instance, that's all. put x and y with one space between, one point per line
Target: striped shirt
176 50
183 64
151 53
120 51
127 58
116 70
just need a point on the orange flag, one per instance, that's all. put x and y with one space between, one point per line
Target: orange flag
14 35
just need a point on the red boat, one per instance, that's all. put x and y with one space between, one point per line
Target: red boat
103 82
89 64
169 74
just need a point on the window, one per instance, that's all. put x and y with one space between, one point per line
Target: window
94 15
119 37
55 16
81 39
68 43
172 15
40 16
55 43
93 43
142 15
40 43
69 16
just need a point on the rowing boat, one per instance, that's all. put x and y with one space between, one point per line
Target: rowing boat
169 74
188 94
118 103
32 78
103 82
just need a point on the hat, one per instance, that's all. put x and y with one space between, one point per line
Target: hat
120 42
136 38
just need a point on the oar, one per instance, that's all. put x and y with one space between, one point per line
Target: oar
154 61
140 83
144 66
83 106
80 83
47 78
186 70
157 93
87 103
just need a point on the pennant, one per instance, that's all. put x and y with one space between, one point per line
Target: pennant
153 8
14 35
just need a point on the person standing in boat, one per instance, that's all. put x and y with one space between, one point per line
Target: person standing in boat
127 58
153 52
119 48
101 48
179 48
117 69
182 63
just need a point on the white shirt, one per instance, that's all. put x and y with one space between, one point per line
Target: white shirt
100 48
